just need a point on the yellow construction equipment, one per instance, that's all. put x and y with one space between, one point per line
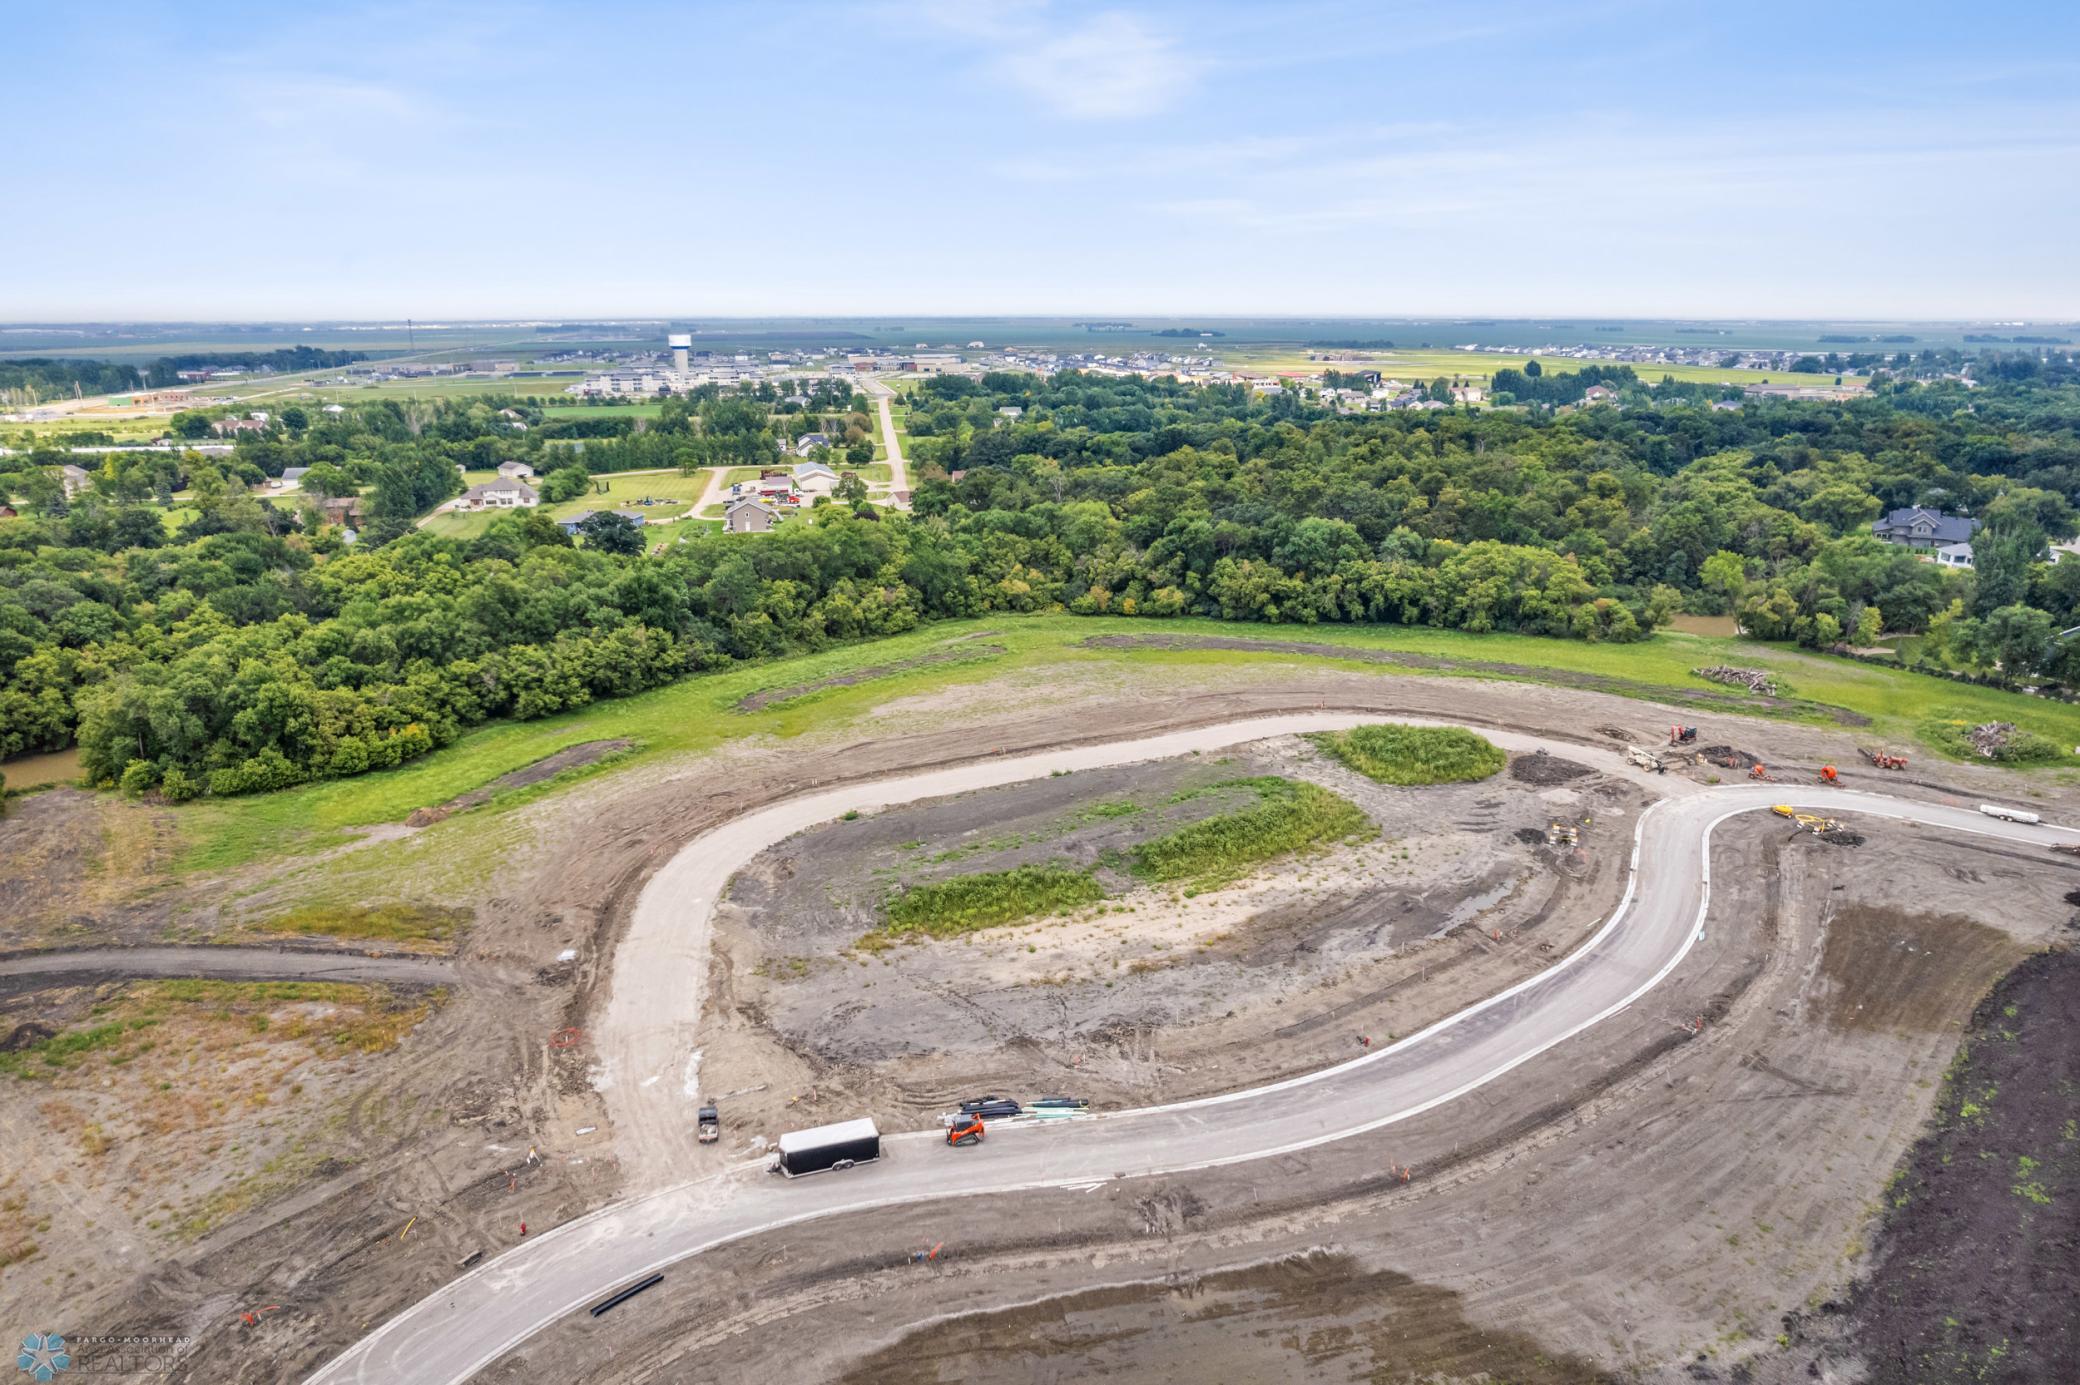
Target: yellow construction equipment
1806 822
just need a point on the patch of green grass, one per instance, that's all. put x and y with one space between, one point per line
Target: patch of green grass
1288 816
949 908
1946 732
1394 754
38 1058
401 923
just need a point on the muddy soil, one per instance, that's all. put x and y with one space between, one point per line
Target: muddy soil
1157 993
1980 1246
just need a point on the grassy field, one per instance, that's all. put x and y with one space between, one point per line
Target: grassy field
674 493
1414 754
949 908
700 713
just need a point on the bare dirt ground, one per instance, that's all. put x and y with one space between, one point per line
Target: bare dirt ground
1587 1213
1646 1203
1158 993
1980 1247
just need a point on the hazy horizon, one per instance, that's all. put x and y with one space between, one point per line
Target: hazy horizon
376 161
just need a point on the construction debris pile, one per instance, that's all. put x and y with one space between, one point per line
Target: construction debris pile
1727 757
1989 738
1753 679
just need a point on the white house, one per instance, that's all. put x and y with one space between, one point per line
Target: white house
1954 555
74 479
809 442
516 471
504 494
814 478
748 516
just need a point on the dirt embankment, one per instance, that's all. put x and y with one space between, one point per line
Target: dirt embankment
1751 703
1980 1246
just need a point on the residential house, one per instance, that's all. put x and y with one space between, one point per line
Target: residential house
1599 394
809 442
516 471
343 510
506 493
746 515
335 408
74 479
1954 555
1918 527
8 511
814 478
1011 411
226 427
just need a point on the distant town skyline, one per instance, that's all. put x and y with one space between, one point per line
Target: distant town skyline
230 161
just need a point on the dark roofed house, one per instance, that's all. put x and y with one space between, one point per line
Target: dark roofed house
1917 527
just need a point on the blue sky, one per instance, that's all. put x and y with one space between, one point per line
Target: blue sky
231 160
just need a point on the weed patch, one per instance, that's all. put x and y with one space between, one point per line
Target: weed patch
1289 816
948 908
397 923
1395 754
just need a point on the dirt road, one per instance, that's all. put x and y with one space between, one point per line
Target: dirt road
898 466
35 970
646 1043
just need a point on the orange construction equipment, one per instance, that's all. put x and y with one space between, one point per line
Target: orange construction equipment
1883 759
1761 771
969 1134
1828 776
1681 735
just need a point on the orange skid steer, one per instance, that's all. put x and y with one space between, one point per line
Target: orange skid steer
966 1130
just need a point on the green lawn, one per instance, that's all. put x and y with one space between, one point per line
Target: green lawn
613 490
699 713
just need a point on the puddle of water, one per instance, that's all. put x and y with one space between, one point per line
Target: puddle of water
1473 906
33 771
1724 626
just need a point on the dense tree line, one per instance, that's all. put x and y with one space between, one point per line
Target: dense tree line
167 369
29 380
253 647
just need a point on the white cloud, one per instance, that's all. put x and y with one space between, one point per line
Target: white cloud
1113 65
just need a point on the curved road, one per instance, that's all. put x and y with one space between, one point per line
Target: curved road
474 1320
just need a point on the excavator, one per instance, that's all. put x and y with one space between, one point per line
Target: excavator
1682 735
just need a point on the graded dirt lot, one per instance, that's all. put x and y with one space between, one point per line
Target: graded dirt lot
1651 1204
1621 1205
1158 992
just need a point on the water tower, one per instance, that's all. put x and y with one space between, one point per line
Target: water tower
682 351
